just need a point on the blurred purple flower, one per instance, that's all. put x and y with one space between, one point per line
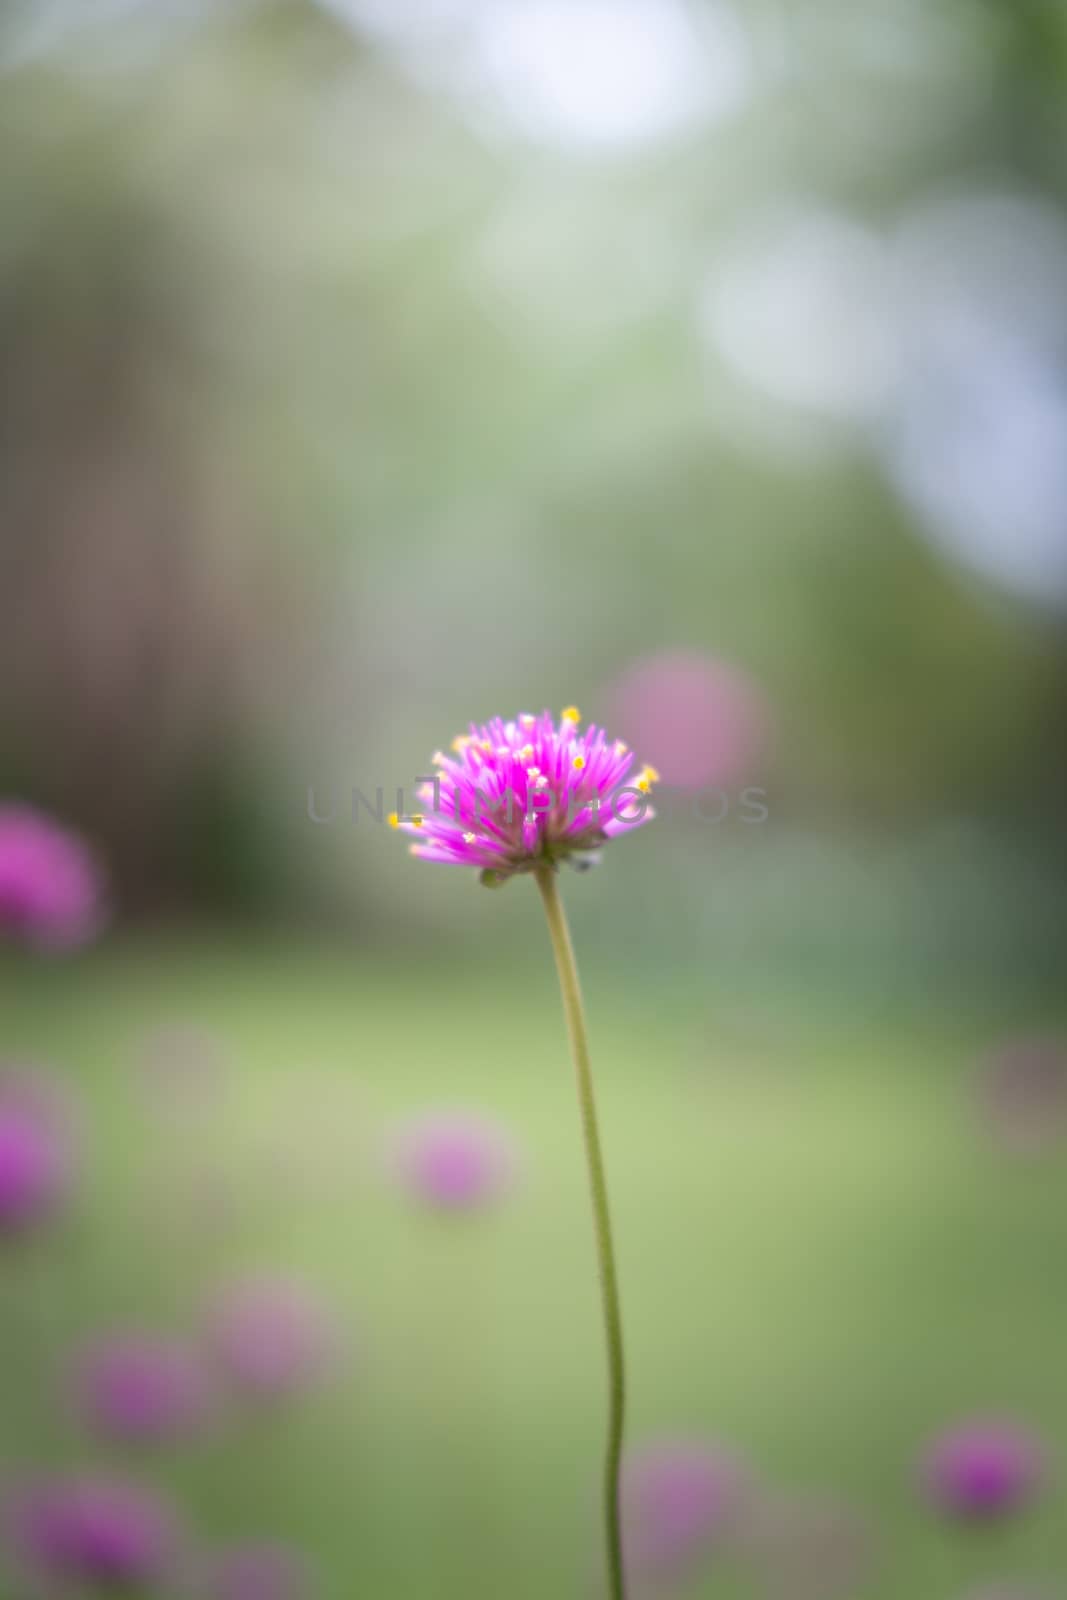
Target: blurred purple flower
983 1470
808 1547
261 1571
51 888
1023 1092
271 1337
35 1152
702 722
680 1498
455 1160
103 1533
142 1389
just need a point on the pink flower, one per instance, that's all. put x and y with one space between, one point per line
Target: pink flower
103 1533
51 888
809 1547
680 1497
983 1470
142 1389
261 1571
1024 1092
271 1338
35 1157
455 1161
522 794
702 722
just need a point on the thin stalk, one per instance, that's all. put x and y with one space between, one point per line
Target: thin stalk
574 1012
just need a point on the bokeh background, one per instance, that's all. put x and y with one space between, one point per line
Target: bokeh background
378 365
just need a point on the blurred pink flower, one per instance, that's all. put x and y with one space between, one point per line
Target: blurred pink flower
561 785
35 1151
808 1547
982 1470
1023 1092
702 722
257 1571
142 1389
455 1161
271 1337
51 887
680 1499
95 1533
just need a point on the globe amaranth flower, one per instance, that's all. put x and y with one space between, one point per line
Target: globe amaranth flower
680 1498
141 1389
808 1547
255 1571
51 887
701 720
983 1470
455 1161
95 1533
517 795
271 1338
1023 1092
35 1153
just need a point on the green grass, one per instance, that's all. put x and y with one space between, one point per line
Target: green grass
823 1259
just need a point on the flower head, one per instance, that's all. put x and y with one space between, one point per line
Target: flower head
983 1470
103 1533
679 1498
808 1546
257 1571
271 1337
51 889
702 721
517 795
141 1389
1023 1092
455 1161
34 1153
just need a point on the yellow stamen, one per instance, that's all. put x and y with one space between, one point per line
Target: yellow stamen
570 714
527 720
393 820
417 820
526 752
648 776
469 838
487 744
621 747
578 763
438 758
461 741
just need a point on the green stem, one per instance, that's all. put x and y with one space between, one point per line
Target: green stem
609 1284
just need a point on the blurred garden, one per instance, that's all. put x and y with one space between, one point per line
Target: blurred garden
373 369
